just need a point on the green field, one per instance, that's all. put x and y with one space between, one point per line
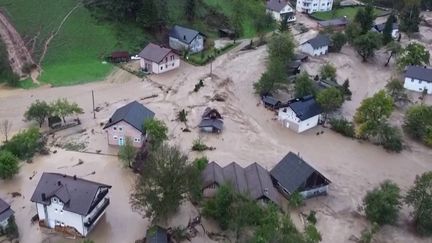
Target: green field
349 12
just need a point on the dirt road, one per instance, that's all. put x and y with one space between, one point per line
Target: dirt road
18 53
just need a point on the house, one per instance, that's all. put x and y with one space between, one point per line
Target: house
127 121
211 121
120 56
316 46
293 174
418 79
69 204
156 234
280 9
333 24
253 181
312 6
270 102
300 114
380 28
185 39
5 213
226 33
157 59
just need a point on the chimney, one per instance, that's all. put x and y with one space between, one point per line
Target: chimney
43 195
59 183
74 177
184 37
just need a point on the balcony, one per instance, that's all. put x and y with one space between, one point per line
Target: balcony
95 216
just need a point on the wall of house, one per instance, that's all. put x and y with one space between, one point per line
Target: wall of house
315 192
118 133
55 215
308 124
311 6
417 85
177 45
307 48
196 45
277 15
172 61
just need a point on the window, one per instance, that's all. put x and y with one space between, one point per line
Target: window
114 128
115 137
166 59
55 210
161 68
61 211
172 57
120 129
166 66
137 140
173 64
55 200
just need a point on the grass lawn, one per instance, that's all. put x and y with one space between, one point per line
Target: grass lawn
349 12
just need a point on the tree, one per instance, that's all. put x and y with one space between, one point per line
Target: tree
413 54
304 86
420 198
25 144
218 207
283 26
311 234
418 123
390 137
339 39
163 183
345 88
365 18
148 15
366 44
38 111
410 16
330 99
388 29
352 31
236 17
263 22
328 71
273 79
281 48
63 108
372 113
396 90
382 204
156 131
5 127
8 165
190 9
127 152
11 229
394 48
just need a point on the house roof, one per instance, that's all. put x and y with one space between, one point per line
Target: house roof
212 173
183 34
259 183
156 235
5 210
211 113
276 5
270 100
334 22
305 107
318 41
120 54
292 172
215 123
154 53
420 73
77 194
234 174
133 113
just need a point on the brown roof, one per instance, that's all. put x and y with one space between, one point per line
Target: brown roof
120 54
154 53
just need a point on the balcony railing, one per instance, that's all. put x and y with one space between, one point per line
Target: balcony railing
100 211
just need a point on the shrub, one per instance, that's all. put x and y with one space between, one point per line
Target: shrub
198 86
182 115
26 143
382 204
8 165
198 145
419 197
11 229
201 163
390 138
328 71
418 123
295 200
311 218
342 126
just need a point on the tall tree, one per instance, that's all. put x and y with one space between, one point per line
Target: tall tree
63 108
366 44
339 39
420 198
274 78
388 29
236 17
8 165
163 184
396 90
352 31
157 132
365 18
410 16
382 204
413 54
372 113
190 9
263 22
330 99
304 86
418 123
394 48
127 152
5 127
281 47
148 15
38 111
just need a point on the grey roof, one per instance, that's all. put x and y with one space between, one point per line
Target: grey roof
319 41
259 183
154 53
305 107
213 173
380 27
156 235
334 22
235 175
183 34
270 100
77 194
5 210
420 73
211 113
214 123
292 172
133 113
276 5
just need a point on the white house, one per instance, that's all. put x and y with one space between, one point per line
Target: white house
157 59
418 79
301 114
280 9
69 204
5 213
182 38
311 6
316 46
293 174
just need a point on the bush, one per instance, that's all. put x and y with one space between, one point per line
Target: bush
342 126
182 115
25 144
311 218
382 204
198 86
11 229
418 123
295 200
198 145
390 138
201 163
328 71
8 165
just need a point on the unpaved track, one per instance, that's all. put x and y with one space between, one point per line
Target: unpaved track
17 51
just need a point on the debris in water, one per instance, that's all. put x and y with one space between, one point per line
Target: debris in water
16 194
98 151
31 177
55 151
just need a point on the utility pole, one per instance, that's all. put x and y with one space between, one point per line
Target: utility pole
94 111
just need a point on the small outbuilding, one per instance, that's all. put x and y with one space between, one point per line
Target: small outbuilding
211 113
270 102
380 28
317 46
226 33
418 79
120 56
294 67
293 174
5 214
